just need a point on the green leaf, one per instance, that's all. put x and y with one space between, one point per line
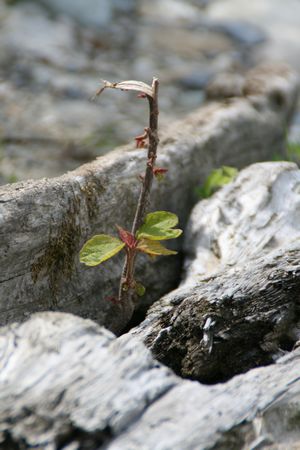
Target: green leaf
139 289
217 179
100 248
293 151
158 226
153 248
278 157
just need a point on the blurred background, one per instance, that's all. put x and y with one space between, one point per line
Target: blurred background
53 54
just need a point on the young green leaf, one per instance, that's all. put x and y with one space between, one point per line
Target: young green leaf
158 226
127 237
139 289
100 248
129 85
153 248
217 179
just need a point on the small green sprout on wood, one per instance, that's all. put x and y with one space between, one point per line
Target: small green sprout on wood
157 226
147 230
216 179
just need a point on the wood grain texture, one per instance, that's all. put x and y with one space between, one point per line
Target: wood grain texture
63 376
239 304
66 383
241 318
44 223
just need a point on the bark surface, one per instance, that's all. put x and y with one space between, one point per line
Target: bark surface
45 223
239 304
66 383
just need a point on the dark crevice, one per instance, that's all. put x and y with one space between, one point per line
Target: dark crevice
9 443
226 359
138 317
286 343
238 438
84 439
251 328
140 313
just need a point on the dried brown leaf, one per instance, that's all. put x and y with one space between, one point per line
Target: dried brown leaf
129 85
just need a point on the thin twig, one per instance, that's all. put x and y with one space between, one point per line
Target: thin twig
152 132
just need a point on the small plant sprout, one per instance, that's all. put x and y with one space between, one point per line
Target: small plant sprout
147 230
215 180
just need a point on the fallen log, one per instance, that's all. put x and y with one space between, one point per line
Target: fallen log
67 383
44 223
239 305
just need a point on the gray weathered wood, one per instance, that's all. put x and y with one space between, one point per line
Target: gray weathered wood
239 304
44 223
66 383
244 317
247 219
253 411
62 375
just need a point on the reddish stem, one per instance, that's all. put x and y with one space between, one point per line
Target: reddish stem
128 270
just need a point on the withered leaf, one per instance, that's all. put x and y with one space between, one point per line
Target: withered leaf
129 85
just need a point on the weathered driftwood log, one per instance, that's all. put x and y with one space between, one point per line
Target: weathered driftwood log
247 219
246 311
66 383
44 223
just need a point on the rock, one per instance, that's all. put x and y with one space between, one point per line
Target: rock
45 223
50 67
195 80
244 33
171 11
94 13
294 132
54 136
67 383
238 305
279 23
225 85
27 32
200 3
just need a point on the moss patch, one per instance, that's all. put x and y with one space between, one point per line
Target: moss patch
91 190
57 262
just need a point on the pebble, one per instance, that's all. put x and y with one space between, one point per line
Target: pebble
52 64
195 80
244 33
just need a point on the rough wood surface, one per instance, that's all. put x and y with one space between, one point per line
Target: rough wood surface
44 223
63 376
257 213
239 305
66 383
